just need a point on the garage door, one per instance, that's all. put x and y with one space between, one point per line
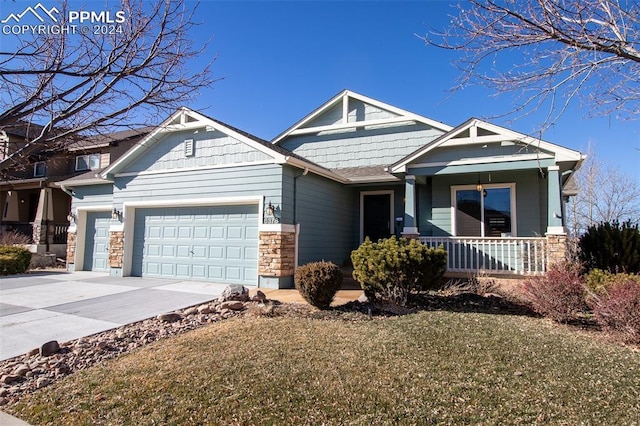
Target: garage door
217 243
96 249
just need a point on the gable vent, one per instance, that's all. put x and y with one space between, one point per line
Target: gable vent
189 148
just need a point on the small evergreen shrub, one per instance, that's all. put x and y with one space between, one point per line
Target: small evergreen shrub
612 247
618 309
318 282
391 268
598 281
558 294
14 260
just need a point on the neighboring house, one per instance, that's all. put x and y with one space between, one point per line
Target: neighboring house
31 202
198 199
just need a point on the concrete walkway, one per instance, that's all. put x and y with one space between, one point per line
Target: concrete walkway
39 307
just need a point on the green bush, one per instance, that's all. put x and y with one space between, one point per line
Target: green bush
598 281
318 282
14 260
612 247
391 268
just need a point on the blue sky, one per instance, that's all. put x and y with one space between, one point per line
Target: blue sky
281 60
278 61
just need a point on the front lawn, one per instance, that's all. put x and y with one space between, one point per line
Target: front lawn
425 368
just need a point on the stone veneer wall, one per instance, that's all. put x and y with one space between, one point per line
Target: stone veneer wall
276 252
71 247
116 248
557 249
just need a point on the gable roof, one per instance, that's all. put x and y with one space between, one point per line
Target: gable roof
477 132
185 119
104 140
400 116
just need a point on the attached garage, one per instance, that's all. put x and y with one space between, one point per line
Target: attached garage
212 243
96 249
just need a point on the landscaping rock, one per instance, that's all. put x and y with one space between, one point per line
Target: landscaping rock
170 317
9 378
49 348
259 297
234 292
190 311
204 309
21 370
233 305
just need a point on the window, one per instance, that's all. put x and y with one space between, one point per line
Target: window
486 213
39 169
88 162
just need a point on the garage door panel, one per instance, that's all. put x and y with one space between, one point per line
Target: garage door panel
210 243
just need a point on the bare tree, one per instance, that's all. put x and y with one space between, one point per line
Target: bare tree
550 52
606 195
93 79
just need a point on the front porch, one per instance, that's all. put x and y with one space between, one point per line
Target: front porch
37 212
494 256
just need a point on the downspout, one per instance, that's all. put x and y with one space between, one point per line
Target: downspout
295 216
66 191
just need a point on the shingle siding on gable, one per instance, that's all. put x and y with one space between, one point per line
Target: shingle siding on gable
361 147
453 153
211 149
359 111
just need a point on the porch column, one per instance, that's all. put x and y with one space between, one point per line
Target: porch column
555 221
410 221
10 209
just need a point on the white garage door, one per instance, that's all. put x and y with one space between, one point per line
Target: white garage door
96 250
217 243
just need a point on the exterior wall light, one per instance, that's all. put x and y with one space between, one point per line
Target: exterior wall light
71 218
115 214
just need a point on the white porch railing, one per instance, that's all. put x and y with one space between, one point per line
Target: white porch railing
510 255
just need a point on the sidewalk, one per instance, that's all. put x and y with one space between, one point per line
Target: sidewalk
293 295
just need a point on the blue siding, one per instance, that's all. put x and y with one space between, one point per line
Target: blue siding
212 148
93 195
362 147
326 212
259 180
462 152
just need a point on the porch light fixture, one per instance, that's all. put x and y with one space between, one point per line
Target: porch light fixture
270 209
71 218
115 214
479 186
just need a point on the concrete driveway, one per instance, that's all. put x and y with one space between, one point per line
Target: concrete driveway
38 307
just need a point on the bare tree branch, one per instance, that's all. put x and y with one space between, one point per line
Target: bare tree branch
79 84
563 49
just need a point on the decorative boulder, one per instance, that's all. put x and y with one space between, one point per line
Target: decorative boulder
49 348
234 292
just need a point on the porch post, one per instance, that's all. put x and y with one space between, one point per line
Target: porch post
556 233
410 229
555 221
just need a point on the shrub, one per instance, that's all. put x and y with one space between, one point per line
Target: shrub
318 282
598 281
612 247
618 309
14 260
14 237
391 268
558 294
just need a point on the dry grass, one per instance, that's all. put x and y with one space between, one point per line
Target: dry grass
424 368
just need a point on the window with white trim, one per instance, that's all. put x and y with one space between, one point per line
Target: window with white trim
87 162
39 169
487 213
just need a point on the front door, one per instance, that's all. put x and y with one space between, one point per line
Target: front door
377 216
